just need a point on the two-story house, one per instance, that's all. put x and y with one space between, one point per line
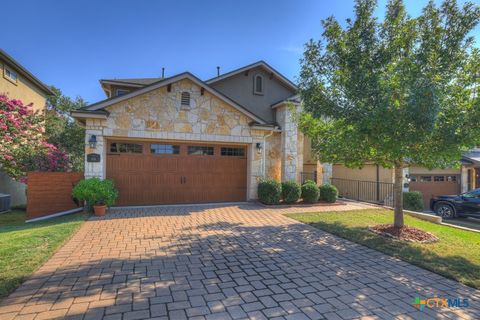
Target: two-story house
16 82
183 140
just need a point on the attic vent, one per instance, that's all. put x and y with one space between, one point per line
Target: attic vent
185 99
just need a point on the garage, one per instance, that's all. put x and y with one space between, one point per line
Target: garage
149 173
431 185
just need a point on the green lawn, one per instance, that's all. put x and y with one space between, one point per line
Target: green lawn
26 246
456 255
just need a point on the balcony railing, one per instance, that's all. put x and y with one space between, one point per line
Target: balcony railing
308 176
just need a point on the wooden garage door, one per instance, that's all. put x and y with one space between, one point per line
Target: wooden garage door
434 185
168 172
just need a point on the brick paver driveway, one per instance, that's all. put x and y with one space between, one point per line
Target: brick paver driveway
224 262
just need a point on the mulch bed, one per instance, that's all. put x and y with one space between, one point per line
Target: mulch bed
404 233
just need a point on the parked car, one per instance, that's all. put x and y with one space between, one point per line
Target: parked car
463 205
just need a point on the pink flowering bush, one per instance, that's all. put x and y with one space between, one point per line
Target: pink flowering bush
22 144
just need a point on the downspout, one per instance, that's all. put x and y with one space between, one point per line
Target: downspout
264 160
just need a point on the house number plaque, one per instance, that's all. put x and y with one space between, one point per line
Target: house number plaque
93 157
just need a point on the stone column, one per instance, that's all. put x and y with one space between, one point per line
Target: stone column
300 154
255 173
289 142
95 169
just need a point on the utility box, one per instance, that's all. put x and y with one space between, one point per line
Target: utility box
4 202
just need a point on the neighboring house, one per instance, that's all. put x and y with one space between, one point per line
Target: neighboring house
183 140
430 182
18 83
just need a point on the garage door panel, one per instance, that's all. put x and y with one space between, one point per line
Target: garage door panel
434 185
146 178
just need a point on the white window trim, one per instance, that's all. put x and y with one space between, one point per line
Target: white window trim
11 71
260 93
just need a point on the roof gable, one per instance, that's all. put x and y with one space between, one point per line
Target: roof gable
165 82
239 86
261 64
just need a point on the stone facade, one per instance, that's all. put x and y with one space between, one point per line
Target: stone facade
159 115
161 111
290 144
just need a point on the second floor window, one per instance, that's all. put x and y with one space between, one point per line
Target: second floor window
258 84
10 74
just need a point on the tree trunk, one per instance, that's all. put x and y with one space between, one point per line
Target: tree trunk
398 195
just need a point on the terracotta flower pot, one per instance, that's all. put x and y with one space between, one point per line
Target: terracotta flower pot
99 210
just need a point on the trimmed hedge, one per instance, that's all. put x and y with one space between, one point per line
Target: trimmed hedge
328 193
310 192
291 191
413 200
269 192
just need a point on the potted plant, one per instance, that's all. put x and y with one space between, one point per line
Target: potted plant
96 193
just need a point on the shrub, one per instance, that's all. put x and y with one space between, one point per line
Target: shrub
95 192
328 193
309 181
291 191
310 192
413 200
269 191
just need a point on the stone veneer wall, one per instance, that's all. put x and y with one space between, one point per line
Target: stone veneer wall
159 115
291 158
95 169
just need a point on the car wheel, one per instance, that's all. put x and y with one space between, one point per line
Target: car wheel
445 210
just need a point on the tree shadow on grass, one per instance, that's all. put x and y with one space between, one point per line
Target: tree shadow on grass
218 262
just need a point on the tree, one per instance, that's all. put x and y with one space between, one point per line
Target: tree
61 129
393 93
22 144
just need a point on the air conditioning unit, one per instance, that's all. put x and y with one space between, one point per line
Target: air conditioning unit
4 202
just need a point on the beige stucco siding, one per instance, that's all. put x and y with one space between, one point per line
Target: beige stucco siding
367 173
23 89
422 170
308 158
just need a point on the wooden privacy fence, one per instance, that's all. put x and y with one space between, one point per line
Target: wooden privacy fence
50 192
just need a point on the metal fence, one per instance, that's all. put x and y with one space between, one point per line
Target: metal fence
308 176
368 191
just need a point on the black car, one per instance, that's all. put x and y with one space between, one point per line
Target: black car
464 205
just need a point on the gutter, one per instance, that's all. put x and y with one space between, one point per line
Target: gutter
90 115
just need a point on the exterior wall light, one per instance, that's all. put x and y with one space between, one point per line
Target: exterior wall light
92 142
259 146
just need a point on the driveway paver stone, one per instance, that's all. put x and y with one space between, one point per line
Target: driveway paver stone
225 261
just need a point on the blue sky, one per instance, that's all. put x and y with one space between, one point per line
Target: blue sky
73 44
